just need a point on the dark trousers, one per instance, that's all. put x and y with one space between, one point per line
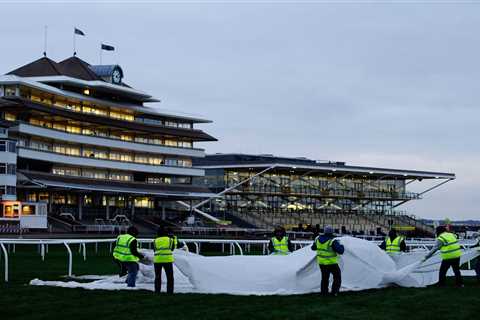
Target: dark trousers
326 270
132 268
446 264
158 276
122 269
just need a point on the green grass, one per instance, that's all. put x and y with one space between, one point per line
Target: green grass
18 300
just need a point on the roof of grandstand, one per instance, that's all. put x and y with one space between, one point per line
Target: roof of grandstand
304 165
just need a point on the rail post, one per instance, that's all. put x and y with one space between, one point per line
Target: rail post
5 254
70 259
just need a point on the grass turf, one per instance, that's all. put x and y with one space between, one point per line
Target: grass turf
18 300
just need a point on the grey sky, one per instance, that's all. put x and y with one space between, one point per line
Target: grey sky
392 85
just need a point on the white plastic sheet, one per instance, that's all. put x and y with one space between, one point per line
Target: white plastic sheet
364 266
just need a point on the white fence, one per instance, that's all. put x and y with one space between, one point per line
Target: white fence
241 245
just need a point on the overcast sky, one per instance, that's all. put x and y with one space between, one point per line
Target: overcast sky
390 85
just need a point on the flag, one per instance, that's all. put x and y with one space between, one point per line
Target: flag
79 32
107 47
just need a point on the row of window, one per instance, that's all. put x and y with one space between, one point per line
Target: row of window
8 168
92 174
106 134
90 152
115 175
72 199
89 108
8 146
8 190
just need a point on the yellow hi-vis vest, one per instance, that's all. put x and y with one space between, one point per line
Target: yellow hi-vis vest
392 247
163 247
325 253
450 248
280 247
122 250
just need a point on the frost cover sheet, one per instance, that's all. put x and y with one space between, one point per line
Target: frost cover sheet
364 266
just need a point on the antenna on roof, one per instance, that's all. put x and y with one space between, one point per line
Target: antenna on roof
45 41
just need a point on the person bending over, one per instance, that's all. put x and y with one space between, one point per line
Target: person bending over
451 252
127 254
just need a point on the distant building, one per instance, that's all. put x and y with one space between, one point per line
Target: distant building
265 190
88 144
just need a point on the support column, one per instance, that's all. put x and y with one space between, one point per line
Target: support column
164 217
80 206
107 207
50 200
133 208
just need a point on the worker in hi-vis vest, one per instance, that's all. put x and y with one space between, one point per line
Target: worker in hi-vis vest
328 248
450 252
393 243
280 244
126 253
163 245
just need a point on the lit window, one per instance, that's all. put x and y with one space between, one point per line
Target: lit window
10 116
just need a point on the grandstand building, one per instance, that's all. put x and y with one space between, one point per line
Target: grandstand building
77 137
264 191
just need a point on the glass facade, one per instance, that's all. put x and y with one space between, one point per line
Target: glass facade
296 192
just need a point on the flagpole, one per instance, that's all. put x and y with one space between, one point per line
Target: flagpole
74 43
45 41
100 53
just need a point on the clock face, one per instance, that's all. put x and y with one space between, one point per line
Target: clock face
116 76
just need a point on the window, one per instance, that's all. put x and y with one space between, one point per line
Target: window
21 142
171 162
121 176
141 159
12 146
94 174
10 90
121 116
183 180
11 168
121 156
171 143
144 202
66 171
3 145
185 125
11 190
184 162
66 149
9 116
40 145
40 123
126 137
73 129
185 144
94 110
59 126
88 132
155 160
171 124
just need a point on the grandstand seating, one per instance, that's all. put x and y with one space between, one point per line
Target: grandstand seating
350 223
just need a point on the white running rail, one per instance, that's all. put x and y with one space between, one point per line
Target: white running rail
232 243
